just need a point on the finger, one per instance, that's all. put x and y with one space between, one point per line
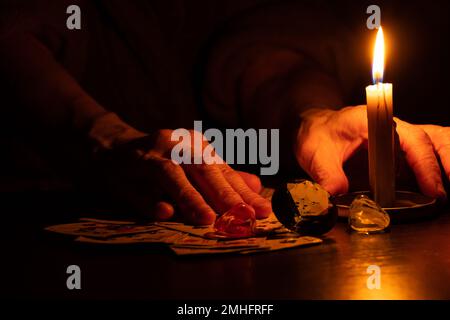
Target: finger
143 198
262 206
211 182
323 162
163 211
252 181
420 156
329 173
193 207
440 137
140 199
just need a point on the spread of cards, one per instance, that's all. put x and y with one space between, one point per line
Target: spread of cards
183 239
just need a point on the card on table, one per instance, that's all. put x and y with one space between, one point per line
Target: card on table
201 243
101 229
185 239
266 245
163 236
263 227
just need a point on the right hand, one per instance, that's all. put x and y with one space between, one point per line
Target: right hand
146 177
328 138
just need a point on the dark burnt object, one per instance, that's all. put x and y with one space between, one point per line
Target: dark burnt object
304 207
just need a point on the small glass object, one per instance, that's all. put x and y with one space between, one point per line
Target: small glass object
239 221
304 207
366 216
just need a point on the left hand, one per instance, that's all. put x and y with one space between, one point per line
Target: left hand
141 173
327 138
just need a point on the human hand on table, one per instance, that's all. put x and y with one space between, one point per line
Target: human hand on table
143 174
327 138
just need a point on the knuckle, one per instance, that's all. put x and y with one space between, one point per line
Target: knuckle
169 165
427 162
255 200
319 173
228 195
419 134
186 196
228 172
202 168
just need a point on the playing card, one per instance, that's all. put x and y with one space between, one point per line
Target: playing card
185 239
198 231
197 242
161 235
181 251
279 244
105 221
263 227
268 225
265 245
101 229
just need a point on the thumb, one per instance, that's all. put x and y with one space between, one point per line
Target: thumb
324 165
330 176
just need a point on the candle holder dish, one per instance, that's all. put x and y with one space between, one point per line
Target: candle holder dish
408 207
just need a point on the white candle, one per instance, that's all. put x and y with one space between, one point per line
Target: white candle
381 131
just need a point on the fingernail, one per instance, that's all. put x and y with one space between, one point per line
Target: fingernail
204 218
163 211
263 209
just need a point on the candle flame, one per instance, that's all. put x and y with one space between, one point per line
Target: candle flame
378 58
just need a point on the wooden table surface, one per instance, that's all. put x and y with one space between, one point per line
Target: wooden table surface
414 261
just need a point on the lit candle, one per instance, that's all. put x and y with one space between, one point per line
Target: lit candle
381 130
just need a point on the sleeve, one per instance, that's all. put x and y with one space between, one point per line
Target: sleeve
273 63
40 62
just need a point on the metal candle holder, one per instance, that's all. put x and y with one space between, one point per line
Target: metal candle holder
408 206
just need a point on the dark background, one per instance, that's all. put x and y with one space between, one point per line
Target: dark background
417 64
34 194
